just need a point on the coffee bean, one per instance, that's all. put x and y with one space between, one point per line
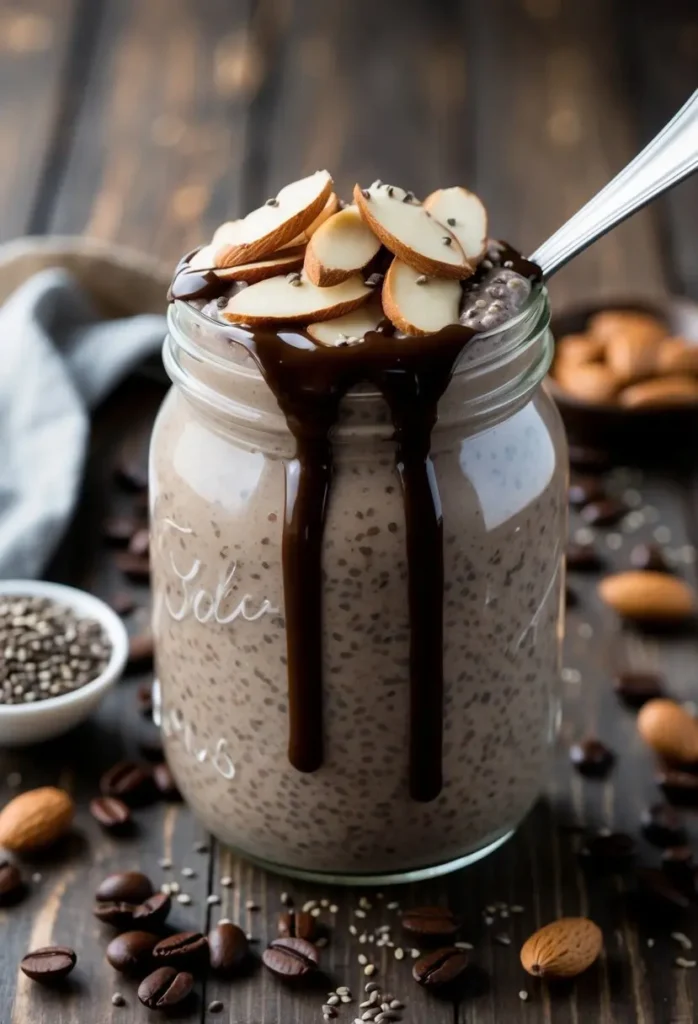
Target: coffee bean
659 897
297 923
185 949
589 460
130 782
12 887
592 758
228 949
636 688
123 603
165 783
153 911
582 558
119 530
131 952
118 915
430 922
606 512
662 825
124 887
165 988
136 567
441 968
141 650
111 813
49 964
290 958
679 787
677 864
649 556
584 489
612 852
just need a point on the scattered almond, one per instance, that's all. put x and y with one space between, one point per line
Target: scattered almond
418 304
340 247
669 729
283 262
660 391
294 298
410 232
35 819
330 208
562 948
648 596
464 215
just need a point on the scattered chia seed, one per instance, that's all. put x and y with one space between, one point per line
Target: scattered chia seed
447 240
294 279
272 202
365 193
523 995
451 221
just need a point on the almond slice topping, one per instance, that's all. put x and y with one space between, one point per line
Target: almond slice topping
464 215
340 247
418 304
265 230
343 330
294 298
204 259
278 263
330 207
410 232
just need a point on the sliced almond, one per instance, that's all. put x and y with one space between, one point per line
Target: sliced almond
294 299
204 258
340 247
265 230
352 326
410 232
660 391
418 304
330 207
279 263
464 215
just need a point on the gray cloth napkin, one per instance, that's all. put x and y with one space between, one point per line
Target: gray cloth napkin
58 360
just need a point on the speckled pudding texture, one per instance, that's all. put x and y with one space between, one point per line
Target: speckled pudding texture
217 519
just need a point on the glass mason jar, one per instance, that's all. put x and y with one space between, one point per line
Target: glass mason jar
217 507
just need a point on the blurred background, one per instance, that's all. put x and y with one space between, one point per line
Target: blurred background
147 122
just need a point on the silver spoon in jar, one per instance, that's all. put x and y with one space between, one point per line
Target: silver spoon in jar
669 158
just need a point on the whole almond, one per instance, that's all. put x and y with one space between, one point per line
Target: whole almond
590 382
676 355
562 948
648 596
35 819
610 323
579 348
632 356
669 729
675 390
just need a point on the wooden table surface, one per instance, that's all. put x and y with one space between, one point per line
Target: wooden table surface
148 122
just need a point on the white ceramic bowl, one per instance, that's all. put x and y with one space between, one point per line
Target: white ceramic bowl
22 724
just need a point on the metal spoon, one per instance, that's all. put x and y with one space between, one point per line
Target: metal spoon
669 158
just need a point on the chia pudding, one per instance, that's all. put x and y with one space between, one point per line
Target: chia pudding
358 610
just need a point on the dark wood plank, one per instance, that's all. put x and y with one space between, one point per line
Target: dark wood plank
36 40
159 145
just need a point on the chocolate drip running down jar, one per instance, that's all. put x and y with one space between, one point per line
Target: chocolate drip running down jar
358 578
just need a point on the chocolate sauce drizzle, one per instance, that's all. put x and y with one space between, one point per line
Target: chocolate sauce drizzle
309 380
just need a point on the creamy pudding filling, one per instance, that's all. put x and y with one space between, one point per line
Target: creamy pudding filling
387 291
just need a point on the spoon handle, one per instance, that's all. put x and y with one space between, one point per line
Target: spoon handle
669 158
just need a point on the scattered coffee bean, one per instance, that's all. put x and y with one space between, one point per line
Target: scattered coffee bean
679 787
118 530
124 887
650 557
592 758
135 567
165 783
130 782
298 924
12 886
131 952
123 603
608 852
606 512
430 922
141 649
228 949
583 558
662 825
441 968
589 460
165 988
118 915
585 489
153 911
139 543
111 813
636 688
49 964
290 958
659 897
185 949
677 863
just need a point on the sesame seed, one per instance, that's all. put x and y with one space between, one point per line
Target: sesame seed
681 961
333 999
315 912
334 909
682 939
118 1000
251 905
463 945
359 913
503 940
399 953
184 898
213 900
188 872
422 279
346 999
362 958
369 970
324 903
343 991
353 930
309 905
650 943
370 987
395 1004
393 906
523 995
226 882
165 863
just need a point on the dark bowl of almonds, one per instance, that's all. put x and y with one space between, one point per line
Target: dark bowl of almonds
62 650
625 374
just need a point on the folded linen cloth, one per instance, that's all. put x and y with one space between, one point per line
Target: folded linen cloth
58 359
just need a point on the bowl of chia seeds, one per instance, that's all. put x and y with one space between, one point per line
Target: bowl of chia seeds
61 649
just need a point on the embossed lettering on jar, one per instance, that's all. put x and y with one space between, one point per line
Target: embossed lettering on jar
220 453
